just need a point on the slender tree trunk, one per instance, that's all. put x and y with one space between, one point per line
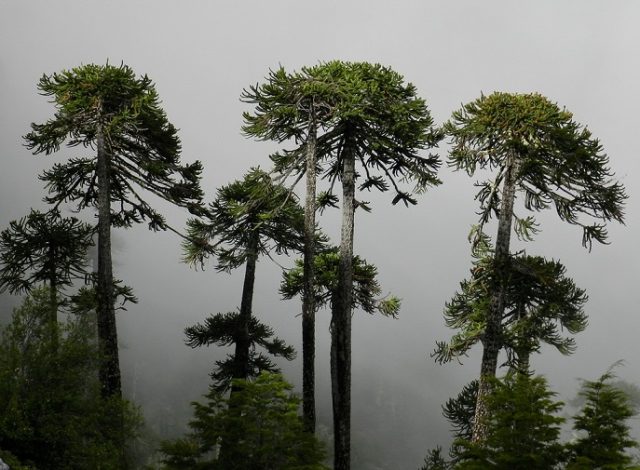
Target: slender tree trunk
243 340
107 333
492 342
109 372
243 345
308 294
341 323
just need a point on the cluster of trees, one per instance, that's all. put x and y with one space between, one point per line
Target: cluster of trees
356 124
523 428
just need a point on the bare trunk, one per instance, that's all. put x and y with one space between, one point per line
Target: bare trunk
243 341
109 372
341 323
308 294
492 341
107 333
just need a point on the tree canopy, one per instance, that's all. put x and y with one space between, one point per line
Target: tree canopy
143 146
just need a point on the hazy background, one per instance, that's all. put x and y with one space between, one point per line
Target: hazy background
201 54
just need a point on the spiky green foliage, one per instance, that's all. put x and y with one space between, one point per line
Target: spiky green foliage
143 145
43 248
561 165
540 302
366 289
363 108
223 330
251 206
266 433
460 411
287 104
522 431
51 411
602 424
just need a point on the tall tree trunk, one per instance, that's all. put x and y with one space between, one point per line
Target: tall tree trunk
492 342
341 322
308 293
107 333
109 372
243 345
243 340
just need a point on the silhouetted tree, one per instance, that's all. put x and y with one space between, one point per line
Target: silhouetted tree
223 330
249 218
536 149
118 115
44 248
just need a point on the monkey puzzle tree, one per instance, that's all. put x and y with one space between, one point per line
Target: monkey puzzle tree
377 121
536 149
296 106
224 330
249 218
116 114
44 248
540 301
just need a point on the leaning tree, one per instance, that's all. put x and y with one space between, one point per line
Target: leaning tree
118 116
536 149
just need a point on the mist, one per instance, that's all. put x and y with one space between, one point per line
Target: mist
200 55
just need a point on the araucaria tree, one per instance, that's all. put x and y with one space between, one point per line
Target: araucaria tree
249 218
296 106
377 123
382 125
44 248
540 302
118 116
536 149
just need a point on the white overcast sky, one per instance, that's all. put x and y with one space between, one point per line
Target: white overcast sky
585 55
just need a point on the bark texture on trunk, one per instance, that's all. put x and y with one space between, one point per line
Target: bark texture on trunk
243 340
492 342
341 323
308 297
109 373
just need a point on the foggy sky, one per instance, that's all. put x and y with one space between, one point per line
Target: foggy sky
201 54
